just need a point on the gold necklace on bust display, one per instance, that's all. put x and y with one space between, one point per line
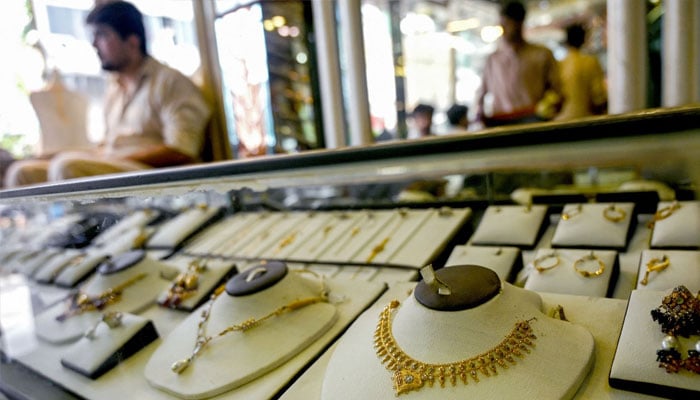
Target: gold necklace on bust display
81 302
203 339
410 374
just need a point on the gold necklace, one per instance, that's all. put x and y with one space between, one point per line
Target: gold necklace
410 374
203 339
184 285
81 302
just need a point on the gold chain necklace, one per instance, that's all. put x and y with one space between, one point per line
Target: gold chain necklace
203 339
411 374
81 302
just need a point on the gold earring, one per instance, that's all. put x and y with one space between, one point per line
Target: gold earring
589 274
655 265
539 260
568 215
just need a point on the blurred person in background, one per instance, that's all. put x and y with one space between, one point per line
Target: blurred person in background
583 79
457 115
155 116
517 76
423 119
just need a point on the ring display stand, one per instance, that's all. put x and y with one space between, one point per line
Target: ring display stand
108 346
573 271
505 261
207 275
173 232
666 269
677 225
72 274
595 225
634 366
511 226
51 327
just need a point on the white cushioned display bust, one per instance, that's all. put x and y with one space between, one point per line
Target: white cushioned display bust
265 317
128 283
445 346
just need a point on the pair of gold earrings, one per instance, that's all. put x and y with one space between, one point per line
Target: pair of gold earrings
579 264
612 213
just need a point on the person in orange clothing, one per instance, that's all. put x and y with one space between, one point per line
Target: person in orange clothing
517 76
583 79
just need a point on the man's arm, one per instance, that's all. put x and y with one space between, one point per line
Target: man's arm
160 156
481 93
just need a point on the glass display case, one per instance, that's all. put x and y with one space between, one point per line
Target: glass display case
520 192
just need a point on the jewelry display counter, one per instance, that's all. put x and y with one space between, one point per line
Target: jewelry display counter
575 217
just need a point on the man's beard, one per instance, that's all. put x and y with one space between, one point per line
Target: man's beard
112 66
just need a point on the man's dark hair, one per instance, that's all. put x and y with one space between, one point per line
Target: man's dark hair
456 113
423 109
575 35
121 16
514 10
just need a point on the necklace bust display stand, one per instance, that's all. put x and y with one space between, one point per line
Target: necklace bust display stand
135 276
462 313
265 317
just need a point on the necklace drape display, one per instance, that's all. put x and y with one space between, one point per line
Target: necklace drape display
410 374
203 339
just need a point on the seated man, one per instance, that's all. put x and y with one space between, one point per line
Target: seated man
155 116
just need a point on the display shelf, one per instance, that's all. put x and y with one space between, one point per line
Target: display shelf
645 151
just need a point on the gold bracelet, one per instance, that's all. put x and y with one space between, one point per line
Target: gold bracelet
538 260
588 274
655 265
568 215
614 213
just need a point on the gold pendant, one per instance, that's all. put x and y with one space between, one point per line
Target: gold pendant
406 380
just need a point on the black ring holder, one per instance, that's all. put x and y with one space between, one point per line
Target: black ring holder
469 286
255 279
121 262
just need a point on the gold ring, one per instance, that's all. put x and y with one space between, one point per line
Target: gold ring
539 260
614 214
568 215
655 265
588 274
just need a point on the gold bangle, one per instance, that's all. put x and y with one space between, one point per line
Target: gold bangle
614 213
655 265
588 274
568 215
538 260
